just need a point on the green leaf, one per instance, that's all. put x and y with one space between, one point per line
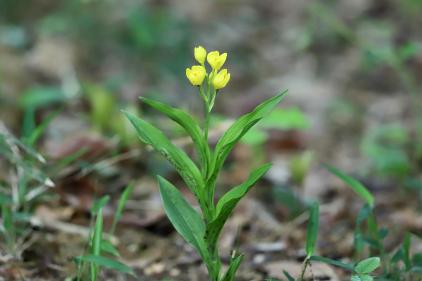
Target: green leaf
229 201
312 229
187 122
340 264
40 129
106 262
187 222
355 278
255 137
406 251
285 119
8 224
120 206
107 247
97 237
177 157
5 199
278 119
233 267
237 130
366 277
358 187
99 204
368 265
41 96
409 50
288 276
102 105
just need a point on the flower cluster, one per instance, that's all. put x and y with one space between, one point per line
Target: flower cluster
197 74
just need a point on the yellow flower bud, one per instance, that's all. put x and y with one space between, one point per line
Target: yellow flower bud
221 79
200 54
216 60
196 74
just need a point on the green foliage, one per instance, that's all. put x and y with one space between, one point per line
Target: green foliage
102 104
8 228
368 265
18 197
386 147
286 196
105 113
106 262
99 245
346 266
357 187
396 265
187 122
228 202
37 97
184 218
364 268
299 166
236 131
177 157
234 265
312 230
120 206
278 119
202 231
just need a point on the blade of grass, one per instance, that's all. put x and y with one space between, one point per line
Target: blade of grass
357 186
96 242
312 229
120 206
340 264
106 262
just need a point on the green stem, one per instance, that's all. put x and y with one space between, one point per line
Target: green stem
305 265
207 121
214 262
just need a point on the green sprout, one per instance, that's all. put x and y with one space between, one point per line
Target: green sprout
100 252
202 230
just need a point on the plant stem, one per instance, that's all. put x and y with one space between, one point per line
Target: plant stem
305 265
207 121
214 264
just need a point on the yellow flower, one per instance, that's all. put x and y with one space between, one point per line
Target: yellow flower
196 74
216 60
221 79
200 54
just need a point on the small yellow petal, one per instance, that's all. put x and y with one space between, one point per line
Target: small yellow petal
200 54
213 59
222 60
196 74
221 79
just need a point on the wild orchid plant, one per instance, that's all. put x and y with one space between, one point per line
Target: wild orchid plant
202 231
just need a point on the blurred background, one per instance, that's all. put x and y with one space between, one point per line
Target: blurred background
353 73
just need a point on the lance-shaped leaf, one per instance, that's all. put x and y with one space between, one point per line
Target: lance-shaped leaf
106 262
368 265
347 266
229 201
187 122
177 157
357 186
187 222
237 130
312 229
233 267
